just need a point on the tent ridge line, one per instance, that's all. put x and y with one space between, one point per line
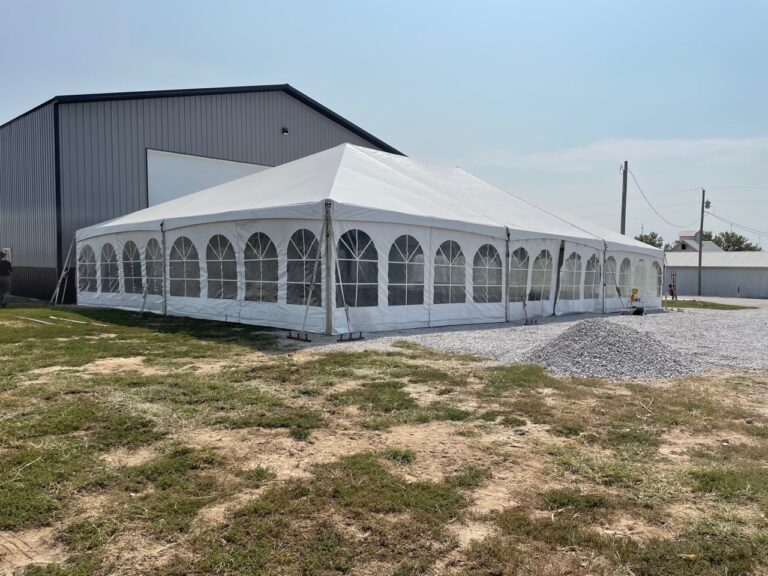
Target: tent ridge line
428 187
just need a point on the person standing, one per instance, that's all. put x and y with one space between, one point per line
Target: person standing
5 279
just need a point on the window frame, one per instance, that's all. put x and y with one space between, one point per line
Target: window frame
191 282
570 281
538 289
260 250
456 268
412 291
154 284
356 256
129 264
659 272
87 282
593 270
516 266
625 277
483 290
221 268
305 263
110 280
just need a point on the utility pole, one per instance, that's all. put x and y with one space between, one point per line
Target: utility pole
624 198
704 204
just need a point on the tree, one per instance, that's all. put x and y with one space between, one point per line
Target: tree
733 242
651 238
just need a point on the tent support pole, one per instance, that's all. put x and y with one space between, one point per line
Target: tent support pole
505 295
602 272
328 269
165 279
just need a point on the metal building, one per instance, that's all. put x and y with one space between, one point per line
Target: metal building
78 160
726 274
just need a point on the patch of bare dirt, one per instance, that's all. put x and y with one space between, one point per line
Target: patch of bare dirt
20 549
677 444
220 512
131 364
471 531
129 457
636 528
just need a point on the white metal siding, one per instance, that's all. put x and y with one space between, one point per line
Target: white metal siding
724 282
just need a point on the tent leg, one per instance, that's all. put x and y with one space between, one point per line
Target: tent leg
328 270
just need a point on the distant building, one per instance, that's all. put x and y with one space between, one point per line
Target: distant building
690 242
726 274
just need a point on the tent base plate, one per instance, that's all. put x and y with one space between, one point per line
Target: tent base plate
350 337
300 336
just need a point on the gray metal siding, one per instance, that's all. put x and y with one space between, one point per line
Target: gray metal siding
103 144
28 192
725 282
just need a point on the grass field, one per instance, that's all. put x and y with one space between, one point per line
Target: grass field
172 447
702 305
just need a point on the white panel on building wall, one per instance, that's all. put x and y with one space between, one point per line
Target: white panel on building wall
171 175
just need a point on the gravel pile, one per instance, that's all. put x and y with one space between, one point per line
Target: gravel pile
600 349
654 346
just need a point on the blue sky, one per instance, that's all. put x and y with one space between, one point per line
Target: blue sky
543 98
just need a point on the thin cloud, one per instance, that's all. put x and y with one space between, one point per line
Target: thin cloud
612 151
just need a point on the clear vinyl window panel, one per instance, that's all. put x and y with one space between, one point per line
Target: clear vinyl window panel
110 274
221 264
541 277
153 265
641 278
260 259
86 270
592 278
625 278
487 272
570 283
518 274
406 272
184 266
305 270
132 269
658 279
357 277
450 282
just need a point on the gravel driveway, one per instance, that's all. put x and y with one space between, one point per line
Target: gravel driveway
658 345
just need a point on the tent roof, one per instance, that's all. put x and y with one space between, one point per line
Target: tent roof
374 186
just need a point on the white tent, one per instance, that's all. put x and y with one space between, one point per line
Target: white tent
352 239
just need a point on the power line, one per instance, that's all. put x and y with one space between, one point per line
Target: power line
654 209
741 226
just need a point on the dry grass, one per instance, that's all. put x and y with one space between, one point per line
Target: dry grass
158 446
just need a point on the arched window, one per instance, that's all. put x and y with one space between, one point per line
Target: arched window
450 274
86 270
659 278
625 278
541 277
570 285
132 269
357 278
110 275
406 272
185 268
153 264
305 270
592 280
260 269
518 275
641 280
486 275
611 277
222 268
